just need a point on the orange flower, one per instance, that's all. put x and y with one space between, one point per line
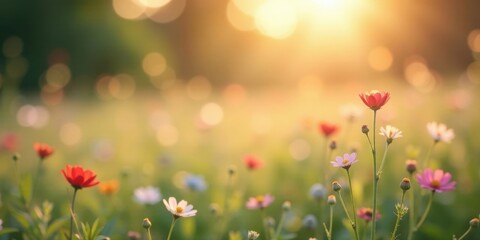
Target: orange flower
327 128
252 162
375 99
109 187
43 150
78 177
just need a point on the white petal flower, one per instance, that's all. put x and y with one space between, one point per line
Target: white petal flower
147 195
440 132
180 209
390 132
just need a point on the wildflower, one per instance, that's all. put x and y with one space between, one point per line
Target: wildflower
405 184
9 142
367 214
252 235
147 195
475 222
286 206
310 222
327 129
317 191
437 181
411 166
351 112
346 161
146 223
43 150
78 177
390 133
332 200
252 162
182 209
132 235
375 99
365 129
261 201
333 145
108 187
336 186
195 183
440 132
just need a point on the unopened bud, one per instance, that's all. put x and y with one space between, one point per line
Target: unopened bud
231 170
411 166
15 157
474 223
286 206
333 145
146 223
405 184
214 209
332 200
336 186
132 235
365 129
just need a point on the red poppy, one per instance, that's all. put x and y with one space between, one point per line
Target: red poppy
375 99
43 150
9 142
252 162
79 178
327 128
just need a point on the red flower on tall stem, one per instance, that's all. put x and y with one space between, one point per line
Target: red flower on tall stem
327 129
375 99
79 178
43 150
252 162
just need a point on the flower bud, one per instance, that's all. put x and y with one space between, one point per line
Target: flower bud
15 157
365 129
252 235
132 235
286 206
146 223
474 223
336 186
231 170
333 145
405 184
310 222
214 209
332 200
411 166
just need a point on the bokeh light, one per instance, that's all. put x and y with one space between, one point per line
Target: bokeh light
299 149
12 47
211 114
380 59
32 116
57 76
276 19
419 75
70 134
167 135
239 19
474 40
199 88
154 64
128 9
154 3
167 13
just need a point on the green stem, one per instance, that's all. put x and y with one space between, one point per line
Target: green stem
429 153
380 170
280 225
424 216
354 225
411 220
174 220
343 205
465 234
265 224
148 234
72 213
223 222
375 179
399 216
330 233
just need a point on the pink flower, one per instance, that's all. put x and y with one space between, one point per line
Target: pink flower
327 129
260 201
252 162
346 161
440 132
9 142
437 181
375 99
367 214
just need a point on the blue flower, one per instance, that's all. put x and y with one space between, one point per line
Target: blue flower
310 222
195 183
317 191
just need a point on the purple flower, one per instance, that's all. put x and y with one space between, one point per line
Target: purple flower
260 201
437 181
346 161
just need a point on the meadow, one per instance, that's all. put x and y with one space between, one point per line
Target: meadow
228 150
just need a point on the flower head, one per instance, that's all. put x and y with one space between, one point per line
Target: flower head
252 235
411 166
317 191
43 150
437 181
327 129
78 177
310 222
346 161
252 162
108 187
440 132
180 209
9 142
260 201
367 214
390 133
147 195
195 183
375 99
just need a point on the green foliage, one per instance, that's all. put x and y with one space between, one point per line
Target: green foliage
91 232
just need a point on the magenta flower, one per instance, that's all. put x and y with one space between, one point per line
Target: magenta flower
437 181
260 201
346 161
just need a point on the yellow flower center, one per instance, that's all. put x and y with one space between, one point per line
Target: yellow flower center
345 161
179 209
259 199
435 183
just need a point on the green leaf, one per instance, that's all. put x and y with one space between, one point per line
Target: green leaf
55 226
22 218
8 230
26 189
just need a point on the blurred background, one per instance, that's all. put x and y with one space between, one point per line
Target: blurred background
148 91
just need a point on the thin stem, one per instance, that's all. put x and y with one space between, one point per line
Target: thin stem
411 220
465 234
427 210
343 205
265 224
375 179
280 225
72 213
330 233
354 224
148 234
380 170
174 220
225 209
429 153
37 178
399 216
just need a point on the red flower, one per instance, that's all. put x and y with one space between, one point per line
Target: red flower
79 178
375 99
252 162
9 142
327 128
367 214
43 150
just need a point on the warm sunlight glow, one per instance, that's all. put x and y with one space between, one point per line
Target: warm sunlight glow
380 59
276 19
128 9
239 19
154 3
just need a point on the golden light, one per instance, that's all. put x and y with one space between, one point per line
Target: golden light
168 12
128 9
473 72
121 86
58 75
239 19
260 123
474 40
276 19
33 116
248 7
300 149
167 135
198 88
70 134
154 3
380 59
211 114
419 76
154 64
